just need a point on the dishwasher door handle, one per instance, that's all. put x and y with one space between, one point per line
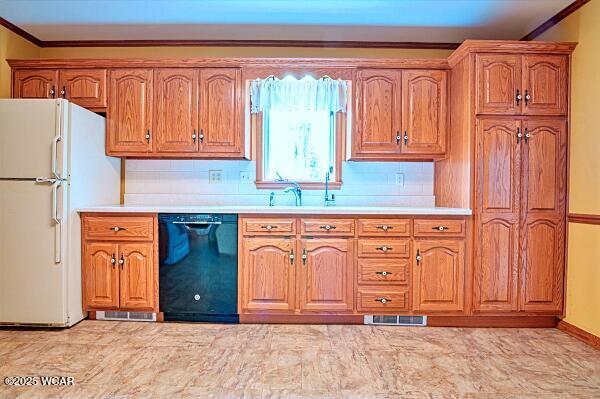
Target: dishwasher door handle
197 223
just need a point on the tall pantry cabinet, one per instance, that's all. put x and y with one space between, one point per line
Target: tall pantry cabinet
509 138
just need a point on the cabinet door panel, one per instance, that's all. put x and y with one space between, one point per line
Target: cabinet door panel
268 274
326 283
424 111
545 167
129 111
221 112
137 276
496 264
176 123
545 80
542 265
101 276
84 87
378 119
35 83
498 79
439 275
498 163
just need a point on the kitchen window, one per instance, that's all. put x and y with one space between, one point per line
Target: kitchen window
299 131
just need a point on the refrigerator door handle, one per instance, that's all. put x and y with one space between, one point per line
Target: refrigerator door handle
55 142
57 219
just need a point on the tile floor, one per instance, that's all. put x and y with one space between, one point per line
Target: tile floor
173 360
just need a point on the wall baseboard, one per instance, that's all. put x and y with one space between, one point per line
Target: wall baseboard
579 334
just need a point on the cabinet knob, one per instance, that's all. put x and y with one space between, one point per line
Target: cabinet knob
418 257
292 257
113 260
268 227
527 97
53 92
328 227
304 256
201 136
383 300
518 97
122 261
63 92
384 248
398 138
117 228
148 136
383 273
385 227
405 137
440 228
194 136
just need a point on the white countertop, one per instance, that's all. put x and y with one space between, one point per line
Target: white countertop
273 210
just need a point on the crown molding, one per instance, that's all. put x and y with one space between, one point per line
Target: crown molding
25 35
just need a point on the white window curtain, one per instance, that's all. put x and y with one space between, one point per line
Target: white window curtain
306 94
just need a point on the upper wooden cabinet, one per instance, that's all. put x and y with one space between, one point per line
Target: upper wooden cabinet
400 114
85 87
513 84
176 110
35 83
378 112
221 112
424 117
130 112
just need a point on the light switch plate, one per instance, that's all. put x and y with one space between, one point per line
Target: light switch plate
400 179
244 177
215 176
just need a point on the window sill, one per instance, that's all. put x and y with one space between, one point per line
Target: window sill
334 185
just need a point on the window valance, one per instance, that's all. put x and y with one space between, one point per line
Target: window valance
306 94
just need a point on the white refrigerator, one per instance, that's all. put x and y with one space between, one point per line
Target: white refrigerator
52 161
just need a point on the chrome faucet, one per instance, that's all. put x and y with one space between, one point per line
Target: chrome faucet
295 188
328 201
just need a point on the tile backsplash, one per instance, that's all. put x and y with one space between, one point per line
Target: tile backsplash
210 182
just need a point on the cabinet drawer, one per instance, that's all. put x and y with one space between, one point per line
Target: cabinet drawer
439 227
383 227
119 228
269 226
382 299
327 227
395 271
384 248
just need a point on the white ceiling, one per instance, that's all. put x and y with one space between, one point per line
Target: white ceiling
330 20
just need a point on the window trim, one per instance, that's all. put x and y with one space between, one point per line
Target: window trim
340 144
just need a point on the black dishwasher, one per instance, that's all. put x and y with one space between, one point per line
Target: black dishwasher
198 267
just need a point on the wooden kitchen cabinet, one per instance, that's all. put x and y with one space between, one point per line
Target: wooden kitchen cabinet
424 115
84 87
325 277
101 289
378 116
438 281
120 266
221 112
130 112
176 110
35 83
512 84
268 271
399 114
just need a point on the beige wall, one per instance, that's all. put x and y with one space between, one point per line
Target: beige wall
12 46
583 269
108 52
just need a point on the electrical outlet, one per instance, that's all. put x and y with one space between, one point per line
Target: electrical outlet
400 179
244 177
215 176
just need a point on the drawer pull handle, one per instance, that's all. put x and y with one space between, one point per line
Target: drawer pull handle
385 227
440 228
384 248
327 227
383 273
117 228
268 227
383 300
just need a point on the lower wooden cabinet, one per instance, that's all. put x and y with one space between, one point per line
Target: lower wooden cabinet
438 275
326 283
268 274
119 273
